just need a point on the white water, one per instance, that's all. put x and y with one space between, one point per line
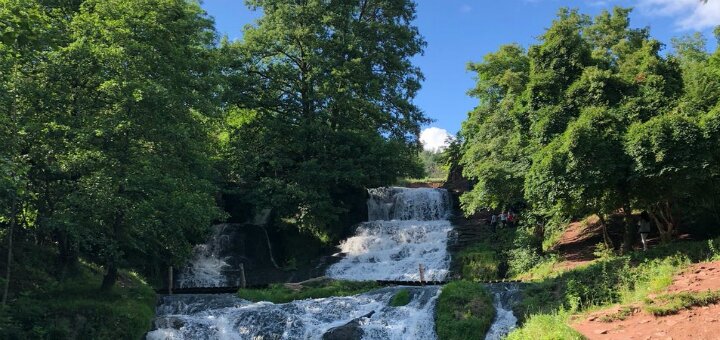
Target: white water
228 317
206 267
506 295
408 228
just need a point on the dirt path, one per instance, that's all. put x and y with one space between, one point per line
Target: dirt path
695 323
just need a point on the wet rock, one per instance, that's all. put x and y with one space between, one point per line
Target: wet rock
348 331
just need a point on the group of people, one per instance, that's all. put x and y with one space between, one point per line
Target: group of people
504 219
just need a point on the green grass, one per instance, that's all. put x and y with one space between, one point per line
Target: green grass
76 309
626 280
401 298
279 293
406 181
464 310
479 263
668 304
546 327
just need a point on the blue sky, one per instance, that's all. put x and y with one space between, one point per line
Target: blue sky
459 31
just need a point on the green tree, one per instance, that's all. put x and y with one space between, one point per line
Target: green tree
669 154
327 107
140 140
495 145
584 171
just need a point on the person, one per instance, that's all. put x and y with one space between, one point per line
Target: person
503 219
493 222
511 219
644 228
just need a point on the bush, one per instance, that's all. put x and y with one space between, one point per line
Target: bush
464 311
76 309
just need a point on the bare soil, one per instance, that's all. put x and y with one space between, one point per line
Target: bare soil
695 323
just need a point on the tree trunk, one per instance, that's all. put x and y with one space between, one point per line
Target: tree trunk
665 221
109 278
606 236
67 254
629 230
13 222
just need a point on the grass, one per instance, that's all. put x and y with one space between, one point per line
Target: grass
546 327
401 298
479 263
406 181
668 304
76 309
464 310
626 280
280 293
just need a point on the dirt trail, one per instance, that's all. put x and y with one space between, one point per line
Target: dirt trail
696 323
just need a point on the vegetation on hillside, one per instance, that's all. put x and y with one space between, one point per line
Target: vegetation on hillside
74 308
596 119
630 279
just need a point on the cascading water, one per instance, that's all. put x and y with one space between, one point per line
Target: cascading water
407 228
506 296
207 265
228 317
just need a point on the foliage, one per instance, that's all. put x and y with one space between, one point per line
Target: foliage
626 279
280 293
401 298
464 310
322 106
75 308
594 119
433 164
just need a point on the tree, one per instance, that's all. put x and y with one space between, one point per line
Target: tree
140 141
669 154
584 171
494 149
320 105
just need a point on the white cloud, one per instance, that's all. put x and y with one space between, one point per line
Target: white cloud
689 14
435 139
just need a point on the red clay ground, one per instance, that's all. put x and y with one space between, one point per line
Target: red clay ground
696 323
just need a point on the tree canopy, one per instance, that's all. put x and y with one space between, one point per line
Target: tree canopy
594 119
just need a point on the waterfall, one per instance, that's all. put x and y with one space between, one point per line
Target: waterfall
206 267
506 296
407 228
228 317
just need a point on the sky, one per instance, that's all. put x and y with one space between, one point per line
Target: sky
462 31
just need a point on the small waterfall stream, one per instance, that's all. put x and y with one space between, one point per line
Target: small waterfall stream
506 296
406 228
